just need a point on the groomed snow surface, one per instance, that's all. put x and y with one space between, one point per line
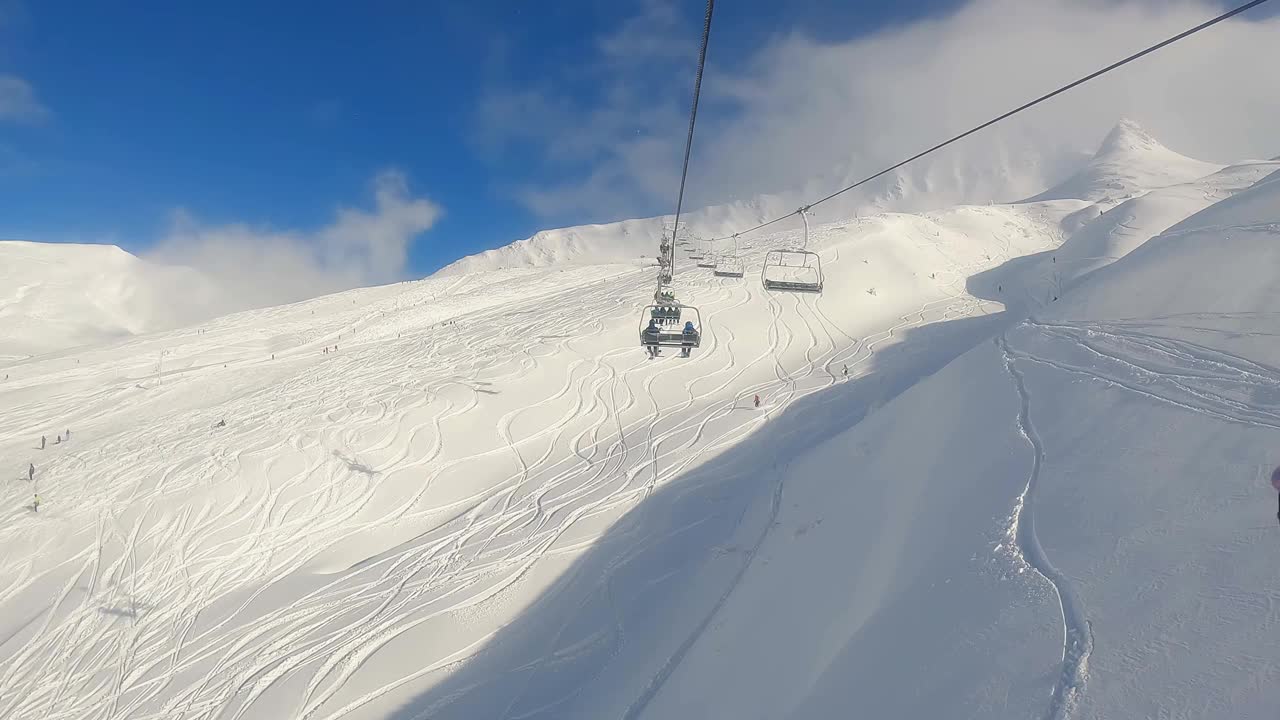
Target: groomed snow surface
1039 492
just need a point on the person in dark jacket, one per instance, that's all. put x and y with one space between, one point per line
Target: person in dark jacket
651 334
690 336
1275 483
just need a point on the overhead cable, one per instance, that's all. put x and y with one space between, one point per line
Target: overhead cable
1015 111
693 113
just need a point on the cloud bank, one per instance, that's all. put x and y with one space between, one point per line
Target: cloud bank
798 113
257 267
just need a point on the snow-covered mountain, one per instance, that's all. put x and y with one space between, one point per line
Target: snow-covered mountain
1010 463
1129 162
55 296
995 172
1116 232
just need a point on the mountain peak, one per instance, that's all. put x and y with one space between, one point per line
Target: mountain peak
1129 161
1127 137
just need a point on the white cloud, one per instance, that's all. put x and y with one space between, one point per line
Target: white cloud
257 267
18 101
799 112
655 32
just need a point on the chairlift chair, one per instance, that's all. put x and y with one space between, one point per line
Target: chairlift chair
729 265
792 271
661 326
707 258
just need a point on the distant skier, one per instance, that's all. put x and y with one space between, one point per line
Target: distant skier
31 472
57 440
68 433
757 401
1275 483
846 372
220 423
35 503
41 442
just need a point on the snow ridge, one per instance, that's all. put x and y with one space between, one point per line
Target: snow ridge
1077 633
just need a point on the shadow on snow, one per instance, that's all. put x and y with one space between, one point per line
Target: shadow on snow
610 630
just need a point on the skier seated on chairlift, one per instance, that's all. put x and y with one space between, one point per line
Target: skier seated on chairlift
690 333
651 334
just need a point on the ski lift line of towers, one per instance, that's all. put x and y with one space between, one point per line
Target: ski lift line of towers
795 269
663 317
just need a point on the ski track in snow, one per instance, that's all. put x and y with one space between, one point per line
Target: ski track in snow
1077 634
165 608
1144 358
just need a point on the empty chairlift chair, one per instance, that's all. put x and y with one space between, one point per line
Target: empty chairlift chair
793 269
729 264
708 261
695 250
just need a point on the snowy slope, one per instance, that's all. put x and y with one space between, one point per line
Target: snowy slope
1127 432
369 517
1120 230
473 496
55 296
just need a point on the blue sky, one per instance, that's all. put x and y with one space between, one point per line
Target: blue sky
275 114
457 126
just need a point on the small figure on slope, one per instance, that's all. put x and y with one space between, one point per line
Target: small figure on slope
1275 483
757 401
31 472
41 442
35 503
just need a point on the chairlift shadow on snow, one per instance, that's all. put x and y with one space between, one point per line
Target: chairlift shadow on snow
354 465
654 577
130 609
